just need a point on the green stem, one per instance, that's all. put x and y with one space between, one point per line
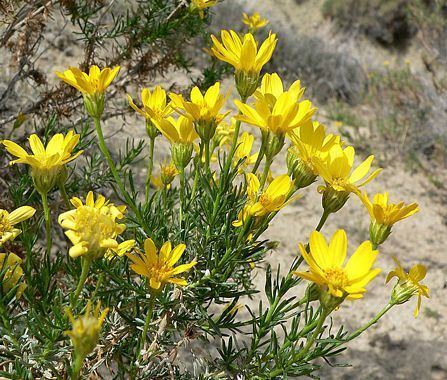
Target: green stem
207 157
147 322
47 216
260 155
182 194
322 220
76 368
150 167
108 157
85 269
381 313
265 173
65 196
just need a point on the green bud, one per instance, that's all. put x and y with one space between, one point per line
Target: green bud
246 83
378 233
181 154
313 292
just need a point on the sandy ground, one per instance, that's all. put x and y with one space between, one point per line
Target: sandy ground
400 346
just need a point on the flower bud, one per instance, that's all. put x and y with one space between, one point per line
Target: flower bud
246 83
151 129
333 200
299 170
94 104
181 154
12 273
378 233
168 173
85 330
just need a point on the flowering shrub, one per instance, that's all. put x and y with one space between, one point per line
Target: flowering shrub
173 260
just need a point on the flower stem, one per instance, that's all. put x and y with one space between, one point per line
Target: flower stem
265 173
77 366
381 313
47 216
322 220
182 193
85 269
108 157
147 322
150 167
302 353
207 157
65 196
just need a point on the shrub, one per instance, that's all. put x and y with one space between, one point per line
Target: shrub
147 268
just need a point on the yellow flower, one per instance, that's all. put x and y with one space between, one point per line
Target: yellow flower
13 273
92 228
253 186
95 82
155 104
383 212
244 54
203 110
327 267
408 284
168 172
9 220
47 163
92 85
243 151
85 330
337 171
159 268
254 22
273 198
180 130
201 5
224 133
276 110
311 143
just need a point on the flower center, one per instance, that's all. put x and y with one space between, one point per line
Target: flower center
5 226
336 277
265 200
94 226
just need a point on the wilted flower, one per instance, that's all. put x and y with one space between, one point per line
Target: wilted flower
85 330
327 267
9 220
158 267
254 22
93 229
47 163
168 172
408 285
12 273
92 85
